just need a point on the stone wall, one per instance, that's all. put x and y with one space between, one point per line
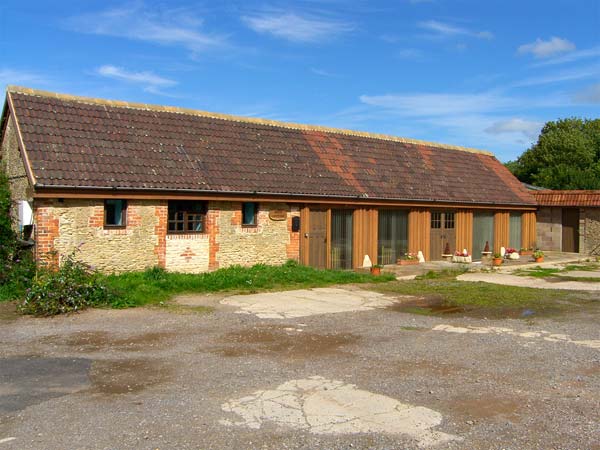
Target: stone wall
78 225
13 165
591 235
269 242
549 228
70 224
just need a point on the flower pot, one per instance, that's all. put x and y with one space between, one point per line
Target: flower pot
539 260
497 261
526 252
375 270
407 262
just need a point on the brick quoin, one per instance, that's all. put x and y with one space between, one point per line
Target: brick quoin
293 247
46 232
160 231
212 225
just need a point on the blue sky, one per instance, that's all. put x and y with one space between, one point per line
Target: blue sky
485 74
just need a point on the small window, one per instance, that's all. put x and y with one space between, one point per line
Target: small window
449 220
115 213
249 214
436 220
187 217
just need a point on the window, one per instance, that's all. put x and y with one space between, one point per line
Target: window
449 220
187 216
115 213
249 214
436 219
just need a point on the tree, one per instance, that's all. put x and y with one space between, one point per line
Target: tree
566 156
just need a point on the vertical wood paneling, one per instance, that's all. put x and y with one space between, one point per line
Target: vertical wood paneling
364 236
419 231
464 230
328 250
304 227
528 233
501 230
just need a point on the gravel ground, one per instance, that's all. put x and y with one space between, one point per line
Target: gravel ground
151 378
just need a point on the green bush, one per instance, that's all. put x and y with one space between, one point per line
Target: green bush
73 287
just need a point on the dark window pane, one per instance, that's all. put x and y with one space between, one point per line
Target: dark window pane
249 213
186 216
114 213
449 220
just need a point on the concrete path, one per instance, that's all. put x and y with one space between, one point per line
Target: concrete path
323 406
307 302
533 282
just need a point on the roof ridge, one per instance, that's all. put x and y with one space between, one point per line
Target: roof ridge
234 118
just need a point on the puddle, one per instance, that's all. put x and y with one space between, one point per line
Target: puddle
8 312
487 408
127 376
330 407
283 340
91 341
27 381
433 305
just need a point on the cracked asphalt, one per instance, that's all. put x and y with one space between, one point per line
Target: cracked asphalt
151 378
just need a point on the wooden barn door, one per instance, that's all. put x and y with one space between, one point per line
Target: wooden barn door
317 239
442 233
570 230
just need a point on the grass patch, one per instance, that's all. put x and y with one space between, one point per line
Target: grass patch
185 309
538 272
444 295
552 274
156 285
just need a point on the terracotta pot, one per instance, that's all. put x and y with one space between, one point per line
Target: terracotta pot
497 261
526 252
539 260
375 270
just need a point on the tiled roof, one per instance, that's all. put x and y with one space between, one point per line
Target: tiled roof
568 198
88 143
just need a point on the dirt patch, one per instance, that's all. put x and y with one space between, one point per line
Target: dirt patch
488 407
127 376
293 342
8 312
91 341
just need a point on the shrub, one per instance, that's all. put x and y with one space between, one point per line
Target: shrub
73 287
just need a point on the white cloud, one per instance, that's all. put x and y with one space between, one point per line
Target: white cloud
23 77
296 28
428 104
442 29
410 53
528 128
545 49
323 73
562 76
150 81
591 94
169 27
593 52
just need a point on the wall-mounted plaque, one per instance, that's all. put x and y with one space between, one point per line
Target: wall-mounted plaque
278 214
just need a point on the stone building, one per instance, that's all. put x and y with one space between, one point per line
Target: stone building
133 186
569 221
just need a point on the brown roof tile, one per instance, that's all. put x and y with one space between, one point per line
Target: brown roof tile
86 143
568 198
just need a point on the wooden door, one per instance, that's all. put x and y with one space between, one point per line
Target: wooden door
317 239
442 233
570 230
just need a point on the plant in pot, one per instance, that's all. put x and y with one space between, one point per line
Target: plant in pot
538 255
408 259
376 269
526 251
497 259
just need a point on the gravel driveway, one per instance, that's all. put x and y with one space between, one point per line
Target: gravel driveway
152 378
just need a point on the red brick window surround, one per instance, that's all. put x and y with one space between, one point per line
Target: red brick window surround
186 216
115 213
249 214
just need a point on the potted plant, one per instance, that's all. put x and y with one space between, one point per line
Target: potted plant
511 253
526 251
408 259
447 256
497 259
462 257
538 256
376 269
